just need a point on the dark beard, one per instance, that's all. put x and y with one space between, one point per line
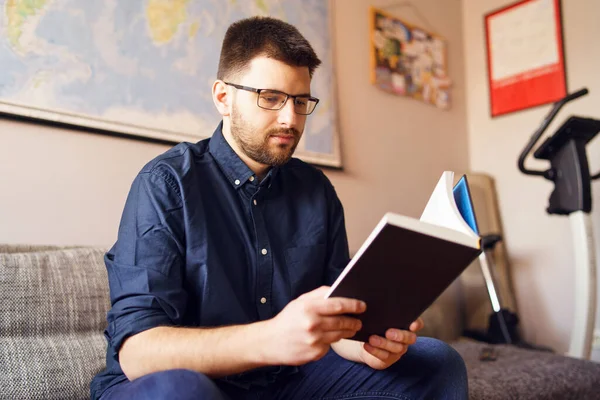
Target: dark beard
260 151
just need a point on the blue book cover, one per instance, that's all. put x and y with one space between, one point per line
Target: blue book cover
462 197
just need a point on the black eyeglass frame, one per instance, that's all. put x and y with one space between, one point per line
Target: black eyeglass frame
287 97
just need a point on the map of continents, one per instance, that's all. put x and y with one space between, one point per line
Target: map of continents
144 67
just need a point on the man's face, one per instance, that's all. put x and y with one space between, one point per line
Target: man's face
266 136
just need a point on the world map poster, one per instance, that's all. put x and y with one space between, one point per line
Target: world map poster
145 68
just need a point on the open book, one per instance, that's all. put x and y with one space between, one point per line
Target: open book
406 263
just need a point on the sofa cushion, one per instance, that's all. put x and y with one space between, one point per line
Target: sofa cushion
30 248
54 304
518 373
443 319
60 291
59 366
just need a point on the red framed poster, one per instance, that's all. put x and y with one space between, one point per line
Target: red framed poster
525 53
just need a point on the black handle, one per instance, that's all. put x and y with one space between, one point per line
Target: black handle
488 242
577 94
545 123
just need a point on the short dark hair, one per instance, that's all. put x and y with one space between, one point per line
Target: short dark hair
264 36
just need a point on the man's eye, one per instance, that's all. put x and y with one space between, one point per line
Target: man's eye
271 99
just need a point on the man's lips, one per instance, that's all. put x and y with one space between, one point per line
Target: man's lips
283 139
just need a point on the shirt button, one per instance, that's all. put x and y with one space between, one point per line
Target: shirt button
254 202
264 252
237 182
251 178
263 300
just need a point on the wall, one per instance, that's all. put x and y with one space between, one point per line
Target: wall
539 245
394 148
66 187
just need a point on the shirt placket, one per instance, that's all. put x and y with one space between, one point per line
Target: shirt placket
264 262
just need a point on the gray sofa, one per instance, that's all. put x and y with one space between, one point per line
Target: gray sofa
54 302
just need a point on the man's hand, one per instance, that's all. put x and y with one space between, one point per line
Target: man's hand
304 330
380 353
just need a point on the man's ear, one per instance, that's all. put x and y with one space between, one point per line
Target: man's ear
222 98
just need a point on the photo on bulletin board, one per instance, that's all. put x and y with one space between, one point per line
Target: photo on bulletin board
407 60
526 66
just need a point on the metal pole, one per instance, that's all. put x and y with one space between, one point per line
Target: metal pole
585 285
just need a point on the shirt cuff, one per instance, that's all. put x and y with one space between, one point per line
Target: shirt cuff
125 327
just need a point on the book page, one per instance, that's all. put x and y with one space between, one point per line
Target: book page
441 208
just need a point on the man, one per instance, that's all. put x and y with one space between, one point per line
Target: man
224 251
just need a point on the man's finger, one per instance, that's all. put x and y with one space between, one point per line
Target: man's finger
400 336
335 336
388 345
338 306
329 324
376 352
416 325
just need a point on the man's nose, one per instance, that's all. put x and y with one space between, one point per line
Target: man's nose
287 115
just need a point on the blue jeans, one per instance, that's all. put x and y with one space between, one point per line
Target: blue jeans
429 370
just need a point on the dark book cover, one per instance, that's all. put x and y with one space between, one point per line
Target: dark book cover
399 275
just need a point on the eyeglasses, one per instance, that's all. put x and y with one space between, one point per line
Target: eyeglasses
275 100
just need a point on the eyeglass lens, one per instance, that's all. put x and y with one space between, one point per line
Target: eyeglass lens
272 100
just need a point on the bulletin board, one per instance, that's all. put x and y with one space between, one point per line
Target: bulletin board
407 60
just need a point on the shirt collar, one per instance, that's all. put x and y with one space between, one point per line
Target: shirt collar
231 164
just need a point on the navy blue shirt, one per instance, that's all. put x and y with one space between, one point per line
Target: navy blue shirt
203 243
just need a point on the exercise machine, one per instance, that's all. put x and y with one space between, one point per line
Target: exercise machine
572 196
569 171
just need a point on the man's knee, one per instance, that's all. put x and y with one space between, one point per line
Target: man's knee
444 358
437 369
181 384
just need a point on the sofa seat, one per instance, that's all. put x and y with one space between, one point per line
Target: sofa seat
528 374
54 303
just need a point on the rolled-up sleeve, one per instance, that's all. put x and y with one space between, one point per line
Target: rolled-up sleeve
145 266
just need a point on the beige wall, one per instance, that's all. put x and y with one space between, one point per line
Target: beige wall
394 148
539 245
65 187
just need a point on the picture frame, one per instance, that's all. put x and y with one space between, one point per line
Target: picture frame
407 60
525 56
61 61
